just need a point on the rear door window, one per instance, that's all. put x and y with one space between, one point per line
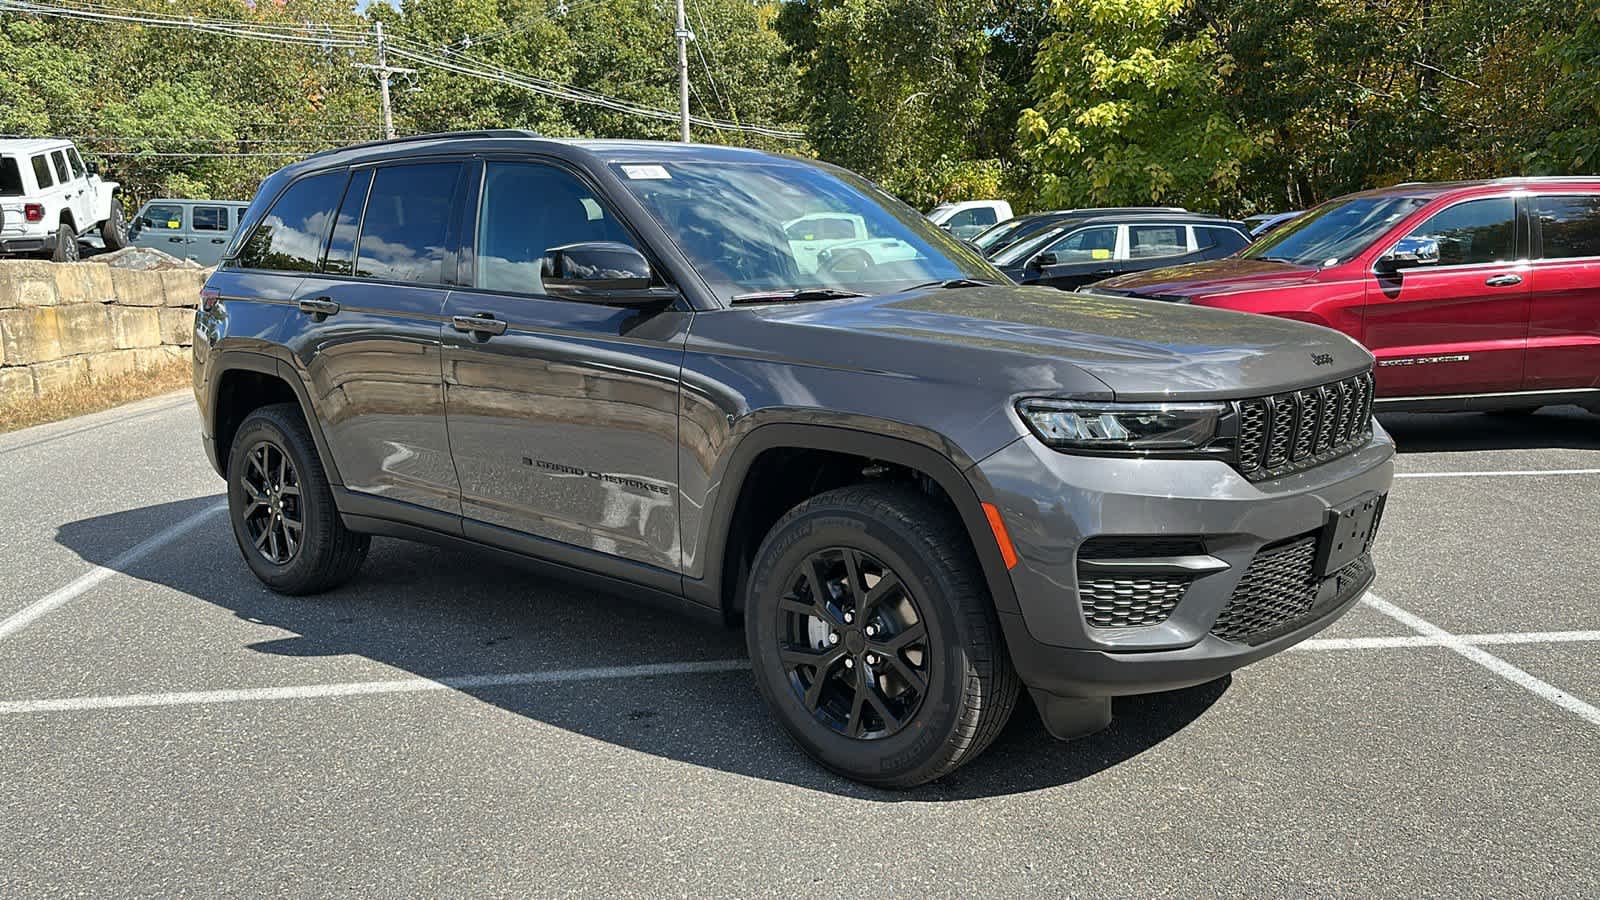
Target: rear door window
1477 231
1152 241
1569 225
289 237
347 225
407 223
41 172
210 218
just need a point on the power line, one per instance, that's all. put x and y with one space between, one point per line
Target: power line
306 35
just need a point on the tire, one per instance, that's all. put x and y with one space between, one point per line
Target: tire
66 245
969 684
325 554
113 231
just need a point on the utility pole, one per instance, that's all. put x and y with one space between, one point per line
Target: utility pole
684 36
384 70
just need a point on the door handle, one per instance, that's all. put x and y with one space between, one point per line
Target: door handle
174 240
1505 280
319 306
481 325
219 240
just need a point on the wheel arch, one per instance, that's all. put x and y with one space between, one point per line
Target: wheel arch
242 381
723 572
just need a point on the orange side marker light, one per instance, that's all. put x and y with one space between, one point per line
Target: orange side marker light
1001 538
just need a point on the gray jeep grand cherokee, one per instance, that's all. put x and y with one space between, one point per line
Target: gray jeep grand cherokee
920 487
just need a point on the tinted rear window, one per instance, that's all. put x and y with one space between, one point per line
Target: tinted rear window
289 238
10 177
1570 225
407 222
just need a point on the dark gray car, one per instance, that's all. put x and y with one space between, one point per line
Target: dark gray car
919 486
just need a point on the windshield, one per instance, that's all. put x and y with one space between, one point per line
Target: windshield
1334 232
998 234
752 228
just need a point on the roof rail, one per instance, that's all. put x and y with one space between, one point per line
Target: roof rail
1537 179
481 133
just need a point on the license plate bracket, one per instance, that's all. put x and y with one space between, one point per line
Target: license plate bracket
1348 533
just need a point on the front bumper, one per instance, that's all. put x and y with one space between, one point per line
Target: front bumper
1052 502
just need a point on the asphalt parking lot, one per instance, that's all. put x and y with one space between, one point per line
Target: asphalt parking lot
447 725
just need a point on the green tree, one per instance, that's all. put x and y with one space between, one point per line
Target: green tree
1129 109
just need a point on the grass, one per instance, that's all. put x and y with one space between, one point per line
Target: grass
94 396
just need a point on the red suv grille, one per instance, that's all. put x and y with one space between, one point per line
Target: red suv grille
1287 433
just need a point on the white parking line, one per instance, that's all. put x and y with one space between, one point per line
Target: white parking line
1417 640
28 614
1488 660
356 688
1504 473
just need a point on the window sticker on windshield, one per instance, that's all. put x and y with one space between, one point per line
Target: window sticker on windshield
645 172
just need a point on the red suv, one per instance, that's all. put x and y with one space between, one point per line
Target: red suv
1472 295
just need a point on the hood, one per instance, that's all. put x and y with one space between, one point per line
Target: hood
1034 339
1204 279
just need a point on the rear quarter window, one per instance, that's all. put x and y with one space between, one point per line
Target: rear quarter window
289 237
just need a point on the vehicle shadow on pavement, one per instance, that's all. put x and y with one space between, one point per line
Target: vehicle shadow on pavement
438 613
1552 428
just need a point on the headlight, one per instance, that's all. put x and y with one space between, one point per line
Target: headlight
1128 427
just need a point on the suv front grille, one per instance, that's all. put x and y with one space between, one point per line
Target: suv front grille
1127 599
1290 432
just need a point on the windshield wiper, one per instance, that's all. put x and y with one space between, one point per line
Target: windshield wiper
953 283
796 295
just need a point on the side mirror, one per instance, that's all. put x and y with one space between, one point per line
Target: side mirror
1042 260
92 166
607 273
1410 253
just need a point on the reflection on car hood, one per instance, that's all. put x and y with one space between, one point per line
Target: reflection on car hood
1005 334
1220 276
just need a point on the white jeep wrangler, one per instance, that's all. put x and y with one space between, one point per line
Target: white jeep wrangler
49 199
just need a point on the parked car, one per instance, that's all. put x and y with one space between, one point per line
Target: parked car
969 217
1262 224
919 486
1012 231
833 242
198 230
50 198
1475 295
1076 252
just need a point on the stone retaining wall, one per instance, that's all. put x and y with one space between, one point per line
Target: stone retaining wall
66 323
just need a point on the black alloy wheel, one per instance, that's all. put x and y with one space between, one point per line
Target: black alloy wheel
853 643
272 517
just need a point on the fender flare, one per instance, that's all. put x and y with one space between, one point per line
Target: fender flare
222 362
965 489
